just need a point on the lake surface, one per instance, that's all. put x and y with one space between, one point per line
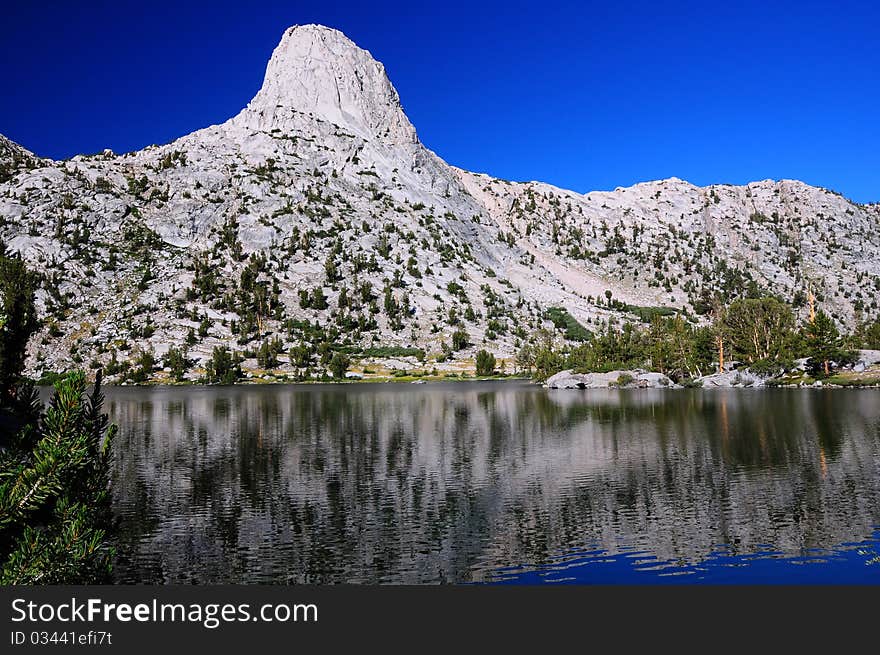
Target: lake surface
496 482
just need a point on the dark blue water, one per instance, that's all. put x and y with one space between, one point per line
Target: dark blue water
853 563
498 483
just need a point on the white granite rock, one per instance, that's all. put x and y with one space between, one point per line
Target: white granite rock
620 379
325 148
738 378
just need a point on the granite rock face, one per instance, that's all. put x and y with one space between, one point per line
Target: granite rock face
317 71
739 378
323 182
619 379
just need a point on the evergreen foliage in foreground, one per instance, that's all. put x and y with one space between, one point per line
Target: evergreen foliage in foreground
55 515
55 518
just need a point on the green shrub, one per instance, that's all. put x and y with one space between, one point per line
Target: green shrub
460 340
485 363
564 321
647 314
770 367
339 364
224 367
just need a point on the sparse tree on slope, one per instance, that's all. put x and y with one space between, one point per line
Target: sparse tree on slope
176 360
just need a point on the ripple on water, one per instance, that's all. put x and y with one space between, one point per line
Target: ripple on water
495 483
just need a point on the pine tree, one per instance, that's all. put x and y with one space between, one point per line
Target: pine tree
318 299
485 363
719 330
224 367
339 364
56 523
525 359
267 354
547 360
758 328
460 340
144 364
822 341
176 360
301 356
871 337
330 269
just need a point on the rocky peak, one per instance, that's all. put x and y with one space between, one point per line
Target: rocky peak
318 71
324 157
11 150
14 158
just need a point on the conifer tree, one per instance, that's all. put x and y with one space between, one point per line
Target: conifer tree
822 340
224 367
56 524
485 363
176 360
339 364
18 320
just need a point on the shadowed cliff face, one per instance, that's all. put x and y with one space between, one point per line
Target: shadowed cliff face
455 483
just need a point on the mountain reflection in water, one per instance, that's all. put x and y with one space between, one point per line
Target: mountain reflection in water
470 482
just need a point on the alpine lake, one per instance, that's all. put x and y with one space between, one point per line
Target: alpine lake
495 482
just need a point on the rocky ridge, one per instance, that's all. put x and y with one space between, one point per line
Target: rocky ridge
317 203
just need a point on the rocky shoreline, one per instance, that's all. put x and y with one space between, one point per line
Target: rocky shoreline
865 372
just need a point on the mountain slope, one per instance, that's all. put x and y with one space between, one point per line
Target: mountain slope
317 203
14 158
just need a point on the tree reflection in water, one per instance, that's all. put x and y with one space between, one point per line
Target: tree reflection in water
459 482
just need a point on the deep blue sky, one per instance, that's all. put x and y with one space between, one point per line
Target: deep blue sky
582 95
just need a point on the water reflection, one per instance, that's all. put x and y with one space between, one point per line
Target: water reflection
493 482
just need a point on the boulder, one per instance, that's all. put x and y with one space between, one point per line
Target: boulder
742 378
621 379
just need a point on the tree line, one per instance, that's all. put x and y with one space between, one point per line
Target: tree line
762 334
